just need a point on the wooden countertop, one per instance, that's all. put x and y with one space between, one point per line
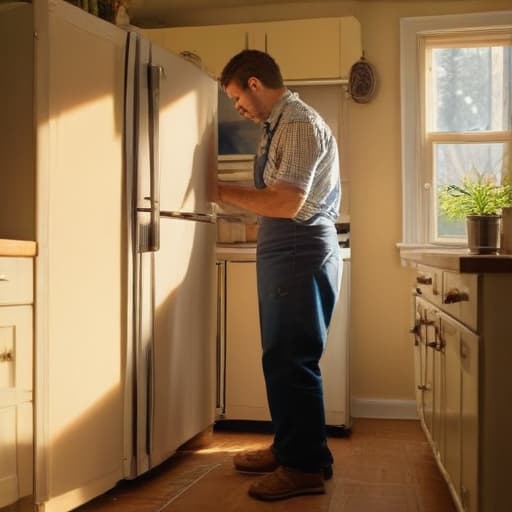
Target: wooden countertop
459 260
24 248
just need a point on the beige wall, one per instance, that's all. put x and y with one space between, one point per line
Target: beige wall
381 350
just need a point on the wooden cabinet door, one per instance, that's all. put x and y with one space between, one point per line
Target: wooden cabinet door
312 49
212 46
245 387
305 49
451 407
469 355
418 352
16 461
428 327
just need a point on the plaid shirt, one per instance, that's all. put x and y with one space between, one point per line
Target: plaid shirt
304 153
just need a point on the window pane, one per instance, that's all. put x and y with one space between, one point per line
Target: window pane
471 89
453 162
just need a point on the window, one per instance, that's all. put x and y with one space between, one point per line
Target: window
456 114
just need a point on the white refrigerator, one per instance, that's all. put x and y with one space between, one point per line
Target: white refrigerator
107 154
171 150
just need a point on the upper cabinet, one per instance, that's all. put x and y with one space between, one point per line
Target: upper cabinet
314 49
211 46
311 49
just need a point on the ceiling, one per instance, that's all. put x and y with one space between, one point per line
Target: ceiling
155 12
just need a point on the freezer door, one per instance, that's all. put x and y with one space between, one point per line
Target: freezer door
187 134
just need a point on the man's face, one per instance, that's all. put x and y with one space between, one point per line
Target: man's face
248 102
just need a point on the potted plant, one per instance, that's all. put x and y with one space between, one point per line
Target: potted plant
479 199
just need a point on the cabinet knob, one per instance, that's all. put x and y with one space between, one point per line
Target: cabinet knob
422 387
6 357
421 279
455 295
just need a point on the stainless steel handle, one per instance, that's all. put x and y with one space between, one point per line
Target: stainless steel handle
154 133
210 218
197 217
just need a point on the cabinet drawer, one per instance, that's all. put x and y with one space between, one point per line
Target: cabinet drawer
15 350
429 283
16 281
460 297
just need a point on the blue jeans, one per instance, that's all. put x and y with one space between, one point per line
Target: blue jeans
297 269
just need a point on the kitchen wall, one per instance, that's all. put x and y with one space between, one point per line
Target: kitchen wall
381 351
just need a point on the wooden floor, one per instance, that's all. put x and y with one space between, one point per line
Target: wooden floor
383 466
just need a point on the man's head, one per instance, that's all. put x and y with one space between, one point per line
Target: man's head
253 81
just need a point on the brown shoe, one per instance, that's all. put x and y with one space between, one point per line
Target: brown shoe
285 483
264 461
256 461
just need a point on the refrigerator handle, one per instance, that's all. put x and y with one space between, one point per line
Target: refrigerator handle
154 160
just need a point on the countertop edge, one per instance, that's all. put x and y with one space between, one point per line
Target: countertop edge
459 260
18 248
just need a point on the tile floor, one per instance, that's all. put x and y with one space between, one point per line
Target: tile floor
383 466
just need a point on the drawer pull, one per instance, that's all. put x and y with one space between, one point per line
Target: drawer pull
455 295
6 357
436 345
3 277
424 279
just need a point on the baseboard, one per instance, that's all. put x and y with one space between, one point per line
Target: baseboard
385 409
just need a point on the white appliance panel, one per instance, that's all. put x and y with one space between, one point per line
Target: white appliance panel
183 353
173 255
187 145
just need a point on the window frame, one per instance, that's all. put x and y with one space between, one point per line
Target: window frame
418 221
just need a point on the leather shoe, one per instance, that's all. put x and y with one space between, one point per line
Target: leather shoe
285 483
264 461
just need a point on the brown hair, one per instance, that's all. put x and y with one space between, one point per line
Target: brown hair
250 63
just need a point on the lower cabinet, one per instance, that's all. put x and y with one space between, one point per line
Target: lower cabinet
242 393
463 360
16 388
446 354
245 395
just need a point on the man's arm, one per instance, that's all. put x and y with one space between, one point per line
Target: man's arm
280 199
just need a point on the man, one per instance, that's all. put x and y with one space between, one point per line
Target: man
297 195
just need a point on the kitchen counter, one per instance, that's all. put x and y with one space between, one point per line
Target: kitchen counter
458 260
24 248
236 251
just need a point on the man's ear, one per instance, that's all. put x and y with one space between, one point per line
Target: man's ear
253 83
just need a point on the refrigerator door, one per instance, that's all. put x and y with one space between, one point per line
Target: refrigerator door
174 255
183 352
187 138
